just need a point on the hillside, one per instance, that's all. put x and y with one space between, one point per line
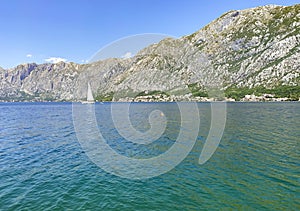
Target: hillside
242 52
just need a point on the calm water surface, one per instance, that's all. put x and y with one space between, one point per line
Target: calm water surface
256 167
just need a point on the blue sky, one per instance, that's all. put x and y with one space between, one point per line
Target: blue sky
36 30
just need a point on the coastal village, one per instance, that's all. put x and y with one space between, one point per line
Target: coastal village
190 97
175 98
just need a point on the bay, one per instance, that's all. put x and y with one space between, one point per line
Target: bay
255 167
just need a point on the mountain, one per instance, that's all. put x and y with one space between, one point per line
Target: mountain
242 52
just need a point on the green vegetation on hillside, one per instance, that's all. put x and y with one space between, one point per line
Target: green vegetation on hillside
106 97
155 92
237 93
197 91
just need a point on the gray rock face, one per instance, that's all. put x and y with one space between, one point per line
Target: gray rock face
247 48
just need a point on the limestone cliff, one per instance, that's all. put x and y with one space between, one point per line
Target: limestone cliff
247 48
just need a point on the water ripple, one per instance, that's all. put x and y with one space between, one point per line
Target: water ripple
256 167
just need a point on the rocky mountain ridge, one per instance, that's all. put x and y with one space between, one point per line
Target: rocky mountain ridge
244 49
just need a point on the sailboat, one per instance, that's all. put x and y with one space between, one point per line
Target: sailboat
90 98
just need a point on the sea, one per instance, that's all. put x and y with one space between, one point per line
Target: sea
44 164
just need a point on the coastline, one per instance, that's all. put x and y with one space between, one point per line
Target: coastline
191 101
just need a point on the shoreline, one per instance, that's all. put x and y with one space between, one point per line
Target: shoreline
101 102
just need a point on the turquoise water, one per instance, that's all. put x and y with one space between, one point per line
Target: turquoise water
256 167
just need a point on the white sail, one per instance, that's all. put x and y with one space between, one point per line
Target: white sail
90 97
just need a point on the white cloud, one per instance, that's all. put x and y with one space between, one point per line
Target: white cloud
127 55
55 60
84 61
29 55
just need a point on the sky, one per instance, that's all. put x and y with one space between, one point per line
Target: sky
43 31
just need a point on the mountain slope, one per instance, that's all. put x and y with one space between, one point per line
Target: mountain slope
257 47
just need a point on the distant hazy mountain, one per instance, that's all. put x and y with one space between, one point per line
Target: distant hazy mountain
257 47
